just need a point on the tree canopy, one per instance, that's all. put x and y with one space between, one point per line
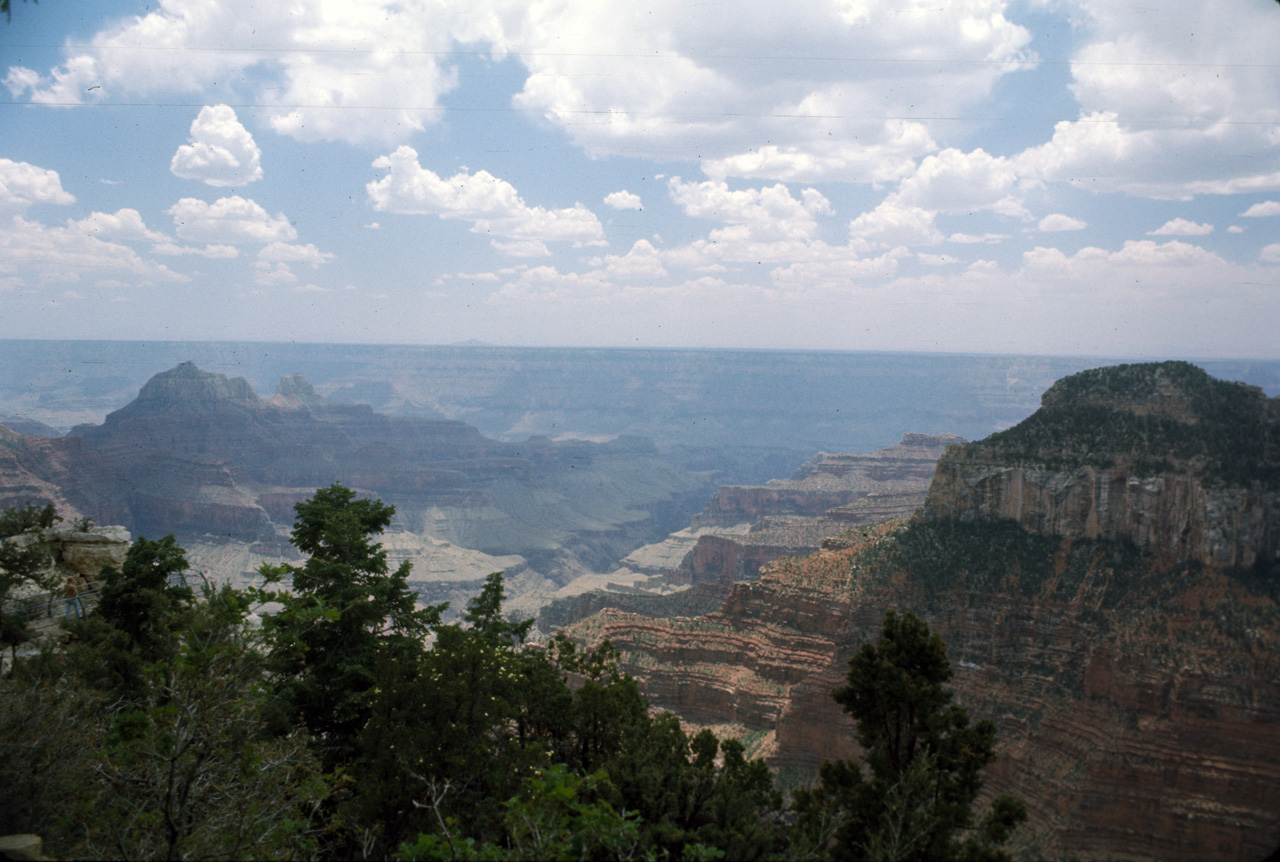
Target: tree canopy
351 721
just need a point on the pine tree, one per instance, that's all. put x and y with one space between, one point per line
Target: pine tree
924 758
346 611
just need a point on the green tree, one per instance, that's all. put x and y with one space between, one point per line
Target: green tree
50 729
924 758
19 519
696 793
346 612
142 597
556 815
453 725
136 621
188 769
23 561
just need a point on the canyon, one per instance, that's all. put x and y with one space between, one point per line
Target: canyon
202 456
744 527
1100 601
1105 571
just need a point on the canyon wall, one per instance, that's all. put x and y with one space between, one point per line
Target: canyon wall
745 527
1174 515
1105 579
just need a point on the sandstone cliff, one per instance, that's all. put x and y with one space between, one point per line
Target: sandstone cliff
1124 632
829 481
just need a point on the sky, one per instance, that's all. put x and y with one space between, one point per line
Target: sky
1072 177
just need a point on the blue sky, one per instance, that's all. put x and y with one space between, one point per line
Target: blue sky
1082 177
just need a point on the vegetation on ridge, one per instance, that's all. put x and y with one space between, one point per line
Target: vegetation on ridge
1151 415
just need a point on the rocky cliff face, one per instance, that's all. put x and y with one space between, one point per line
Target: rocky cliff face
1175 515
61 471
1162 456
1100 602
78 553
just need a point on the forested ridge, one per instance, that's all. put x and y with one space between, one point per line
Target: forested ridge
325 714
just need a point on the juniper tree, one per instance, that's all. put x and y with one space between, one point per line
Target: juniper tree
924 760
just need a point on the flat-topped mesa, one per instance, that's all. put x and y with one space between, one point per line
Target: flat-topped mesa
1159 454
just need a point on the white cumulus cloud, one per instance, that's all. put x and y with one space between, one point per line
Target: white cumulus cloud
893 224
221 152
382 83
213 252
1181 227
1270 253
1169 111
32 252
123 224
229 221
1266 208
493 206
661 80
656 80
1058 221
623 200
23 184
522 247
954 181
283 252
273 274
769 213
642 261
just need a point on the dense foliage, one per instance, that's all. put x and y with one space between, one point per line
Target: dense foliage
22 563
19 519
351 723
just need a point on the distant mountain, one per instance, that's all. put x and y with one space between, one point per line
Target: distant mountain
749 415
1107 578
203 456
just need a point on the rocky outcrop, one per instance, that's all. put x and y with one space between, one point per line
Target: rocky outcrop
1113 604
77 552
731 557
1163 456
84 552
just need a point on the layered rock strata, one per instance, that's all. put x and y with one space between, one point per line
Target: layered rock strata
832 481
787 517
1126 639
